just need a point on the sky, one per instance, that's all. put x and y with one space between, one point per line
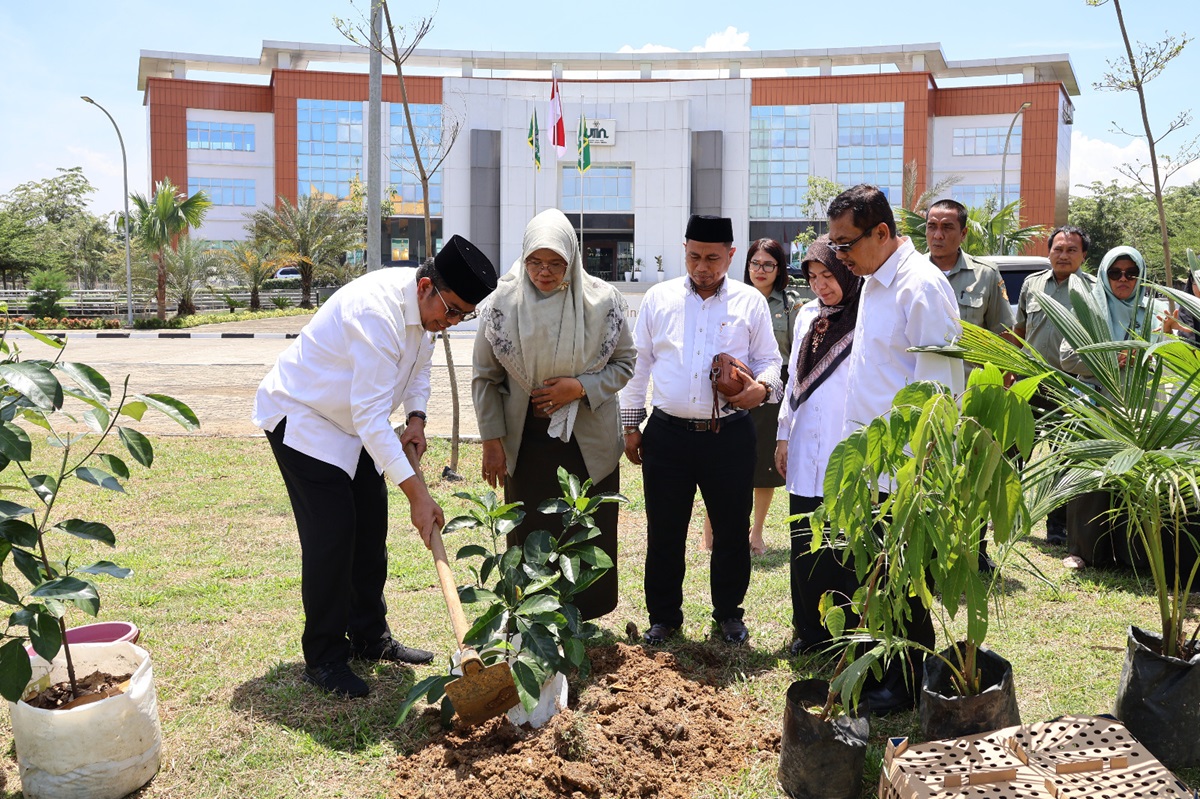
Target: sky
51 53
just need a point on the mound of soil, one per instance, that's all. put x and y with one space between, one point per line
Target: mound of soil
643 725
92 688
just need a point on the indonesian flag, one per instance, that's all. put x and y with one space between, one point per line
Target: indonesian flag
558 134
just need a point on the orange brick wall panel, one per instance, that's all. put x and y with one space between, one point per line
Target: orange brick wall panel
350 87
285 149
207 94
819 89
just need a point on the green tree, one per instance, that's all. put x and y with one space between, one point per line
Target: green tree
193 266
48 286
316 232
989 231
159 221
19 250
1115 214
252 263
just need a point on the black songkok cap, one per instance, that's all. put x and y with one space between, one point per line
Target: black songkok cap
709 229
467 271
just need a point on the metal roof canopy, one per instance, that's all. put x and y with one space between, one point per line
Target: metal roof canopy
299 55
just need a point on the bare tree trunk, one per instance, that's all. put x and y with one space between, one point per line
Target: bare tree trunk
1158 191
160 294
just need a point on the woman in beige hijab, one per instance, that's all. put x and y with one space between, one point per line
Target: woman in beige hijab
553 349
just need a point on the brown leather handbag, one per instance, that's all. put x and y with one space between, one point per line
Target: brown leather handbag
729 377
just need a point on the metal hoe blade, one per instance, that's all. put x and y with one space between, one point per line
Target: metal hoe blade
482 692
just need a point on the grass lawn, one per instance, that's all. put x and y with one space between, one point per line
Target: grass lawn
216 591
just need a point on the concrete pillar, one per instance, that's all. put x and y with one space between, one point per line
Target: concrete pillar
468 67
826 66
556 70
735 69
485 192
284 61
646 70
1028 75
179 71
707 171
918 62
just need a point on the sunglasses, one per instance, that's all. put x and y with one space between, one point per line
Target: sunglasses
455 313
1116 273
839 248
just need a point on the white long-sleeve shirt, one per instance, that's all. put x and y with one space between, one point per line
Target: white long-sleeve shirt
678 333
363 355
815 427
906 303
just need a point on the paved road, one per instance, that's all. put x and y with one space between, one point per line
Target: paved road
218 377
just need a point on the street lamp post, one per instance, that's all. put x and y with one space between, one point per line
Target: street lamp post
1004 161
125 178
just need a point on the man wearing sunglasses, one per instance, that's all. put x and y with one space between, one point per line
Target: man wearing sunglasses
325 407
1068 250
906 302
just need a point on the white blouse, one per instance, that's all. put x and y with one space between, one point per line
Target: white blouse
815 427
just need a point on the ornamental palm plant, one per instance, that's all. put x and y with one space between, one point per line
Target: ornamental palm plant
159 221
1134 432
191 267
316 231
989 232
254 262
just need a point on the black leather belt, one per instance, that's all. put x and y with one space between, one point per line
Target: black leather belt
697 425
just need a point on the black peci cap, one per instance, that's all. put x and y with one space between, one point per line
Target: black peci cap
709 229
467 271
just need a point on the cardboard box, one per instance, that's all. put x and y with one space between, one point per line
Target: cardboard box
1069 758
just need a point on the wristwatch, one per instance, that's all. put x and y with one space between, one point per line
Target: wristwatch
631 430
419 414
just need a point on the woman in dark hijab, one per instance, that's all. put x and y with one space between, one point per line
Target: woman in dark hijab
810 426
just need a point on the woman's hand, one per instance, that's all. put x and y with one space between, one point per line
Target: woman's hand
781 448
556 392
495 465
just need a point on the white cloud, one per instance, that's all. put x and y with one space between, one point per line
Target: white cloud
725 41
648 48
1098 159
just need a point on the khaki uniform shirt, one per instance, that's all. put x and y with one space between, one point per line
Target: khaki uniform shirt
982 298
1040 332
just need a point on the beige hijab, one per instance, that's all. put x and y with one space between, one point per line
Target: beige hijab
537 335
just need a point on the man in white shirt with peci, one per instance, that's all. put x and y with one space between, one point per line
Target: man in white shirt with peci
693 440
325 407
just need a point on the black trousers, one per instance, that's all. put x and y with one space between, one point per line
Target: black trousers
343 544
813 574
675 462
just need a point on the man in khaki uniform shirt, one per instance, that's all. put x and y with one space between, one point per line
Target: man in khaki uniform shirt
1068 250
982 298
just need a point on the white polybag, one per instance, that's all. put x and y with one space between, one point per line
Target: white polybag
103 750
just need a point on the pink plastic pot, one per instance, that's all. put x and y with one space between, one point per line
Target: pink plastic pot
102 632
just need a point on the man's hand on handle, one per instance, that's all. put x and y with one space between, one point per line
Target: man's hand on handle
426 515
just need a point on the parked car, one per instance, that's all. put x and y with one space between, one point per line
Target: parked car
288 271
1014 269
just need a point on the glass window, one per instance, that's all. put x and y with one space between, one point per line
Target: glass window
404 176
231 136
980 194
779 143
607 188
224 191
333 157
871 146
986 141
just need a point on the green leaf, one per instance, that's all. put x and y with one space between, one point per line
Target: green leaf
12 509
574 651
138 445
172 409
570 567
14 442
34 382
29 566
15 670
538 547
67 589
106 567
88 379
434 687
18 532
44 486
554 507
35 417
590 553
538 641
97 419
538 603
470 551
45 635
540 583
490 620
529 687
115 465
1123 461
86 399
134 409
98 477
470 594
49 341
91 531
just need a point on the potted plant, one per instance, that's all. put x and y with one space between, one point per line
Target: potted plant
637 270
1134 433
950 473
120 751
525 592
661 272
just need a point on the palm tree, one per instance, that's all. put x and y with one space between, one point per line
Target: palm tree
159 221
254 262
191 267
316 232
989 232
